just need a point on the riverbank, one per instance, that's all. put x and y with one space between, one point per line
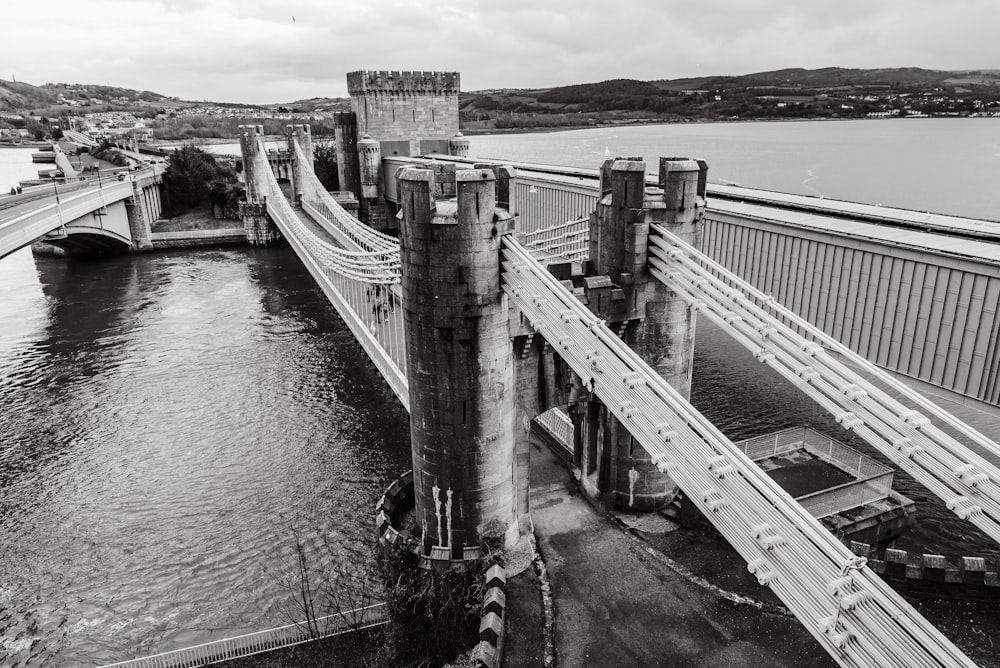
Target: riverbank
196 228
33 143
686 121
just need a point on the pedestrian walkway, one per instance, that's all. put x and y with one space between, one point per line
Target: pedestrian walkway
617 602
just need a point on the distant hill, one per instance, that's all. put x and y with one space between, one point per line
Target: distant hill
830 92
821 78
312 104
19 96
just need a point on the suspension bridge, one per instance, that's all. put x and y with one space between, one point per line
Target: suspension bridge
481 322
846 607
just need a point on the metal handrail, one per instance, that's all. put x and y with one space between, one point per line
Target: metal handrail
262 641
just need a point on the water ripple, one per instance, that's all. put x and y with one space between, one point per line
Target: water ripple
170 422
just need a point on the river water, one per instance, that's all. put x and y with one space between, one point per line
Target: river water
169 421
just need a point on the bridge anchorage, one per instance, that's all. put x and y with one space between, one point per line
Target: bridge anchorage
635 436
479 371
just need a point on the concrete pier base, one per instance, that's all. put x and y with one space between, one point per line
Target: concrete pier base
139 226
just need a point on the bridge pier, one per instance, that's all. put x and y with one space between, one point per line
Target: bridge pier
373 207
138 224
459 363
345 131
656 323
258 227
299 135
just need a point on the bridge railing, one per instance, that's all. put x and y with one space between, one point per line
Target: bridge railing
568 241
357 234
361 285
263 641
556 422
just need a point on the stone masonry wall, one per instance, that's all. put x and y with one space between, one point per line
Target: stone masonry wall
405 106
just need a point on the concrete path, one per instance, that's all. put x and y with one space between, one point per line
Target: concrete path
617 604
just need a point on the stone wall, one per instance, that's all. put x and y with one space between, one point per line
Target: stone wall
405 106
932 574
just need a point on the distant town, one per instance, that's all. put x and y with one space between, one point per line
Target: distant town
29 112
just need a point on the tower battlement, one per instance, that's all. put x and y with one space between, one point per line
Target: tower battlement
395 81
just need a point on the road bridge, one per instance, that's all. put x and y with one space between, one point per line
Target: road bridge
99 215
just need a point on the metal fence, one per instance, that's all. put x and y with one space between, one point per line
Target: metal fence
557 423
873 481
772 445
849 495
262 641
569 240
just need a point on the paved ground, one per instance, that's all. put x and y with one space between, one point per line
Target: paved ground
524 642
618 604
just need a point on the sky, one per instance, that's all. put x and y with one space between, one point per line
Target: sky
270 51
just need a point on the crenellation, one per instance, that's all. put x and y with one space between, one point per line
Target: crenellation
363 82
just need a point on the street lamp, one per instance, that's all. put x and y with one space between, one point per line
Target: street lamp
55 189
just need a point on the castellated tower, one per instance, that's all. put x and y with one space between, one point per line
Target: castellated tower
408 113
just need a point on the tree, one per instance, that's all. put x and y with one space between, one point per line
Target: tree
57 133
190 175
325 164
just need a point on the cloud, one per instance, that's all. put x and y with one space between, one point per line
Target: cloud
252 50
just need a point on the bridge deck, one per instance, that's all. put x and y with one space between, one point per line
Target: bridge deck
382 317
38 196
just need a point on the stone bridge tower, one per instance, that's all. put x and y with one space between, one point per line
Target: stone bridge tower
459 362
409 113
257 226
661 327
394 113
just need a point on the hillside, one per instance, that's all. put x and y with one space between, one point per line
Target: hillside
55 97
830 92
308 105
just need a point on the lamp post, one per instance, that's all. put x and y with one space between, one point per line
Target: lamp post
100 186
55 189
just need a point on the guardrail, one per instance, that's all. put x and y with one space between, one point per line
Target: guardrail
263 641
569 240
556 422
849 495
24 229
34 193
